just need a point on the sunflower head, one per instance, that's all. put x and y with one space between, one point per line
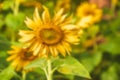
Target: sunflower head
50 36
90 11
20 57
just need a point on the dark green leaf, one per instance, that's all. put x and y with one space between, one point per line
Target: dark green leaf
110 74
4 43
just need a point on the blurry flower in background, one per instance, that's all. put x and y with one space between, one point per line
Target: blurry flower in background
20 57
50 36
114 2
66 4
0 5
20 1
32 4
88 14
85 22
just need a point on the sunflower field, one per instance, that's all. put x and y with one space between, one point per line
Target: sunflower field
59 40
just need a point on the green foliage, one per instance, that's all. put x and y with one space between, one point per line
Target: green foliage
7 4
91 60
15 21
73 67
111 46
110 74
42 63
7 73
68 65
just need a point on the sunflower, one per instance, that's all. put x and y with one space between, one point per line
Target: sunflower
19 1
20 57
66 4
50 36
84 22
90 11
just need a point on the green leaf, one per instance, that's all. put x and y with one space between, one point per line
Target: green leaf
4 43
110 74
7 73
38 63
73 67
1 21
15 21
112 46
7 4
93 30
57 62
90 61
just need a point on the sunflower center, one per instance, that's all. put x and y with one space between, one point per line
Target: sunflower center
89 13
28 56
50 36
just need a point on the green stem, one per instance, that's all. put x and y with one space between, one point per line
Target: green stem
12 36
49 77
24 75
44 69
16 9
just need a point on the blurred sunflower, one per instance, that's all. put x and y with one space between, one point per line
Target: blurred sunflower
20 57
20 1
0 5
89 13
114 3
50 36
66 4
85 22
32 4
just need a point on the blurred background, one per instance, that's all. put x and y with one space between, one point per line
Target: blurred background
99 48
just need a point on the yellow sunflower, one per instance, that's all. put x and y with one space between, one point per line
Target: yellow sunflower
20 57
50 36
90 11
85 22
66 4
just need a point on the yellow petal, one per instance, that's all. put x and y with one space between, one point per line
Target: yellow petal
55 51
66 21
26 38
15 62
67 47
11 58
61 49
85 22
37 50
58 15
46 15
30 24
60 20
37 17
72 39
51 50
34 46
26 35
69 27
45 50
